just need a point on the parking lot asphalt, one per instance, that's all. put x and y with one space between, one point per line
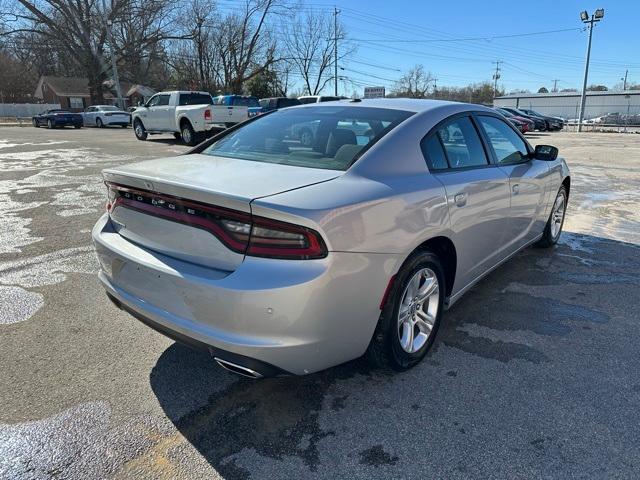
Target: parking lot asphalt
535 372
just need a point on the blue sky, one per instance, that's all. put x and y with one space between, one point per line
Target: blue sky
430 31
530 61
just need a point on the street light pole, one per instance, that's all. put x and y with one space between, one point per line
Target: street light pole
335 50
596 17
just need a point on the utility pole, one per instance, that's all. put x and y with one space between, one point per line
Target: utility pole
435 87
596 17
624 80
335 50
496 76
114 65
199 23
555 85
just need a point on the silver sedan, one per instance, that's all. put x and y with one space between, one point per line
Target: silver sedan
282 257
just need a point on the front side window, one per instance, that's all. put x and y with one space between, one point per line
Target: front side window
462 144
192 99
507 144
314 137
153 101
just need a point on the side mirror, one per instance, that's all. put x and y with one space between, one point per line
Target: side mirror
545 152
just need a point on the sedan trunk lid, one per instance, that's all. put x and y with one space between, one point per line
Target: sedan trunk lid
161 194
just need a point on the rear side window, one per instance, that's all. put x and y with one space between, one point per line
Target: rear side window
433 152
194 99
507 144
462 144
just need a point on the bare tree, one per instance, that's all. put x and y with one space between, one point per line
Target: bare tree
77 29
309 45
245 46
414 84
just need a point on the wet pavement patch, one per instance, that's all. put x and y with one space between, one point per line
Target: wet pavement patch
275 417
377 457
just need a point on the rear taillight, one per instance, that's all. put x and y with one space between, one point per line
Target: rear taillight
275 239
238 231
207 114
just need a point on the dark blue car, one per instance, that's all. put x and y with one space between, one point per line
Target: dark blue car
57 118
252 103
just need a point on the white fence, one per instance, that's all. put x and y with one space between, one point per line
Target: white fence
25 109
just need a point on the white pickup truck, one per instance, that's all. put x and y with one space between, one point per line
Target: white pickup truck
188 115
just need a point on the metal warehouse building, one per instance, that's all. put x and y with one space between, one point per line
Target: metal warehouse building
567 104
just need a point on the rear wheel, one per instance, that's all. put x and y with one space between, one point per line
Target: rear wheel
35 123
99 123
189 136
50 124
553 228
177 136
124 126
139 130
411 317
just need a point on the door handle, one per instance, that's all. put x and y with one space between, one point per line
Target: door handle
460 199
515 189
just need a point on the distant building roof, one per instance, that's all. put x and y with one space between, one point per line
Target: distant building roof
63 86
79 87
140 90
590 93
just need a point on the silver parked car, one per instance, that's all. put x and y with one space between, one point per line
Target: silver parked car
283 258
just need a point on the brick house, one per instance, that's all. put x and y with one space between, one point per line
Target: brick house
69 92
73 92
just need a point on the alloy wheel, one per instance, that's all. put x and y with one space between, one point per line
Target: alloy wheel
186 135
557 214
418 310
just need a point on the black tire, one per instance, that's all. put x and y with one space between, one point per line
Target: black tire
384 348
139 130
124 126
99 123
35 123
177 136
188 134
50 124
548 238
77 126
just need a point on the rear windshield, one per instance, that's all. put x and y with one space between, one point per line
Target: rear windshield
287 102
245 101
195 99
329 137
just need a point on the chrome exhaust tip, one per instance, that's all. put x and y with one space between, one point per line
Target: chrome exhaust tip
237 369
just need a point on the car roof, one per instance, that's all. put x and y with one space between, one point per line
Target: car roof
416 105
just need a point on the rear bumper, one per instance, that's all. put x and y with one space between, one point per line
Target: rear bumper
288 316
64 123
116 121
